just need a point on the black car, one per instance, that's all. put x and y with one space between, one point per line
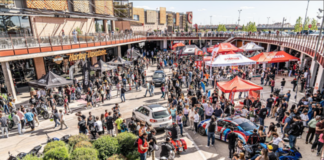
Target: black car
158 77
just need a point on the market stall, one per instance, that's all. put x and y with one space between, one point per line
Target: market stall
238 84
223 48
189 50
50 80
119 61
230 60
251 47
102 67
178 45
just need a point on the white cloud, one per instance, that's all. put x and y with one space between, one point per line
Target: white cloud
145 7
172 8
247 7
203 9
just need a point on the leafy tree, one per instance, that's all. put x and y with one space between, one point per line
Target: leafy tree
314 25
298 25
251 27
307 22
243 28
221 27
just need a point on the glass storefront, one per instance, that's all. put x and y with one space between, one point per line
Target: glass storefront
99 26
15 26
22 72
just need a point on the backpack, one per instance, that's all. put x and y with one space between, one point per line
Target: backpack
136 143
132 125
123 127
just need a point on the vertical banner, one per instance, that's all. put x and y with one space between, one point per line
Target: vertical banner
86 74
231 95
71 71
198 64
253 95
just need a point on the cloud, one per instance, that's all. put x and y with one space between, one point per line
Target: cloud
203 9
247 7
172 8
145 7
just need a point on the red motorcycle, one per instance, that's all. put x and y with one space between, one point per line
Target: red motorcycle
179 144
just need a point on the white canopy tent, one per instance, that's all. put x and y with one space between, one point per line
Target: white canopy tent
230 60
251 47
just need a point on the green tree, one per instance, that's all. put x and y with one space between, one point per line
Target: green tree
251 27
314 25
298 25
307 22
221 27
243 28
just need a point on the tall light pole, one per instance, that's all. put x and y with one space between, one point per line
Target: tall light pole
268 22
305 15
238 22
320 34
283 21
211 20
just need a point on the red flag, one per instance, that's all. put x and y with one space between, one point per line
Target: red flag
231 96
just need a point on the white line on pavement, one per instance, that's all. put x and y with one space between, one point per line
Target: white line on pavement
201 154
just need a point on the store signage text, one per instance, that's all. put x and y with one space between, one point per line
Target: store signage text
83 56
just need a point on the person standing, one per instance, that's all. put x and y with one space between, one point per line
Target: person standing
109 124
295 130
30 119
212 128
283 83
152 89
311 129
196 121
56 118
180 124
262 77
318 130
17 121
262 115
294 82
98 126
122 94
62 118
272 84
21 116
191 118
118 121
142 146
148 88
4 125
162 91
208 110
82 125
232 137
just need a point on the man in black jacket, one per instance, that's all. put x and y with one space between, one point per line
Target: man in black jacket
254 138
257 103
166 147
283 83
232 137
295 130
247 102
262 115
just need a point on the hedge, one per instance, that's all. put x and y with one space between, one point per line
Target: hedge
73 140
83 144
84 154
133 155
58 153
53 144
31 157
106 146
117 157
126 142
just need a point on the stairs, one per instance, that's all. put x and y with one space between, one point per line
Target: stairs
229 40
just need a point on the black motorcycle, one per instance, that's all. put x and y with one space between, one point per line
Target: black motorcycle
42 110
59 99
21 155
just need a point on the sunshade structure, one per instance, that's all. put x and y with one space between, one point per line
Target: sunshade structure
230 60
251 47
119 61
178 45
224 48
210 49
50 80
273 57
189 50
237 84
102 66
200 53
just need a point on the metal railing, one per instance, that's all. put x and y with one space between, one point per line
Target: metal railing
303 43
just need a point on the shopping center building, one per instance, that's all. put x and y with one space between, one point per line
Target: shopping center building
41 36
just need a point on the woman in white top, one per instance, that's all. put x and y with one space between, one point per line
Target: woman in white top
191 118
62 120
244 112
196 121
250 75
98 126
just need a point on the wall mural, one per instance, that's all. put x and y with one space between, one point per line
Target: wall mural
48 4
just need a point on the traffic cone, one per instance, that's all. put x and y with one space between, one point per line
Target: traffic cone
130 87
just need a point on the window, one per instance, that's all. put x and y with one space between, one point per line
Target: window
145 111
221 123
160 114
174 20
14 25
109 25
136 17
99 26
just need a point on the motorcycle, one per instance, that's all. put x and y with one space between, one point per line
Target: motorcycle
42 110
179 144
11 122
171 156
51 139
59 99
21 155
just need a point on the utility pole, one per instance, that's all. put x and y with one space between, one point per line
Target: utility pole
211 20
268 22
238 22
305 16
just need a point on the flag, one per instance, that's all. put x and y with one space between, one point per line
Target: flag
231 96
203 86
196 51
214 53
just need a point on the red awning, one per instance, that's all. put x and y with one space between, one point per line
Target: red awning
240 84
178 45
227 47
200 53
210 49
273 57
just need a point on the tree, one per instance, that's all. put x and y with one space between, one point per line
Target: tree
251 27
243 28
307 22
221 27
298 25
314 25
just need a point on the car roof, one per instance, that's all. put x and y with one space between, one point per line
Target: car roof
159 71
155 106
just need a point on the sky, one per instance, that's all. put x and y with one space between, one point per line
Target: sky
226 12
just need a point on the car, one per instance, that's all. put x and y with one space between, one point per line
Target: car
158 77
242 127
153 114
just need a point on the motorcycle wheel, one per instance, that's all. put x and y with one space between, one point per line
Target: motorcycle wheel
45 115
11 125
60 102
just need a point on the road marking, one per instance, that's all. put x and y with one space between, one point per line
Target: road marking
201 154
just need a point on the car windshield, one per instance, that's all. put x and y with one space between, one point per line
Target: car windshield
158 75
160 114
247 126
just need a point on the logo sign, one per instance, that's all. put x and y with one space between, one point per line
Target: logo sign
189 14
58 59
310 26
232 59
83 56
42 81
56 80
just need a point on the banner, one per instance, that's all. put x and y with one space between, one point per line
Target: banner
198 64
214 53
86 74
71 72
253 95
231 95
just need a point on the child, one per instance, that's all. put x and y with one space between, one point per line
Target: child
123 126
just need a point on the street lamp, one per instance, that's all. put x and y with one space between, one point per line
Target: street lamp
283 21
238 21
306 15
320 34
268 22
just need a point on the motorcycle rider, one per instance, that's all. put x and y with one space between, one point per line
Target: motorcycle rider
174 131
166 147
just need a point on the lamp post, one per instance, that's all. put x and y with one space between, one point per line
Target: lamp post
238 21
306 15
268 22
320 34
211 20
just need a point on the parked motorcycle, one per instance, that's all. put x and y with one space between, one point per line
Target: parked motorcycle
171 156
42 110
59 99
179 144
21 155
51 139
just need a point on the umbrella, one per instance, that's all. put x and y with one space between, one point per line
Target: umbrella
50 80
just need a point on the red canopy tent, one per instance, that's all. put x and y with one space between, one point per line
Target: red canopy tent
224 48
200 53
273 57
178 45
239 85
210 49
